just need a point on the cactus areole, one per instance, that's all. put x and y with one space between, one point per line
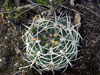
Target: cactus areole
51 44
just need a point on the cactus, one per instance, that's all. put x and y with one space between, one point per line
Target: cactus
51 44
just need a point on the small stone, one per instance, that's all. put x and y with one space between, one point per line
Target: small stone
0 60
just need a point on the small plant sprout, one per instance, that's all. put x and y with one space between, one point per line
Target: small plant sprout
51 44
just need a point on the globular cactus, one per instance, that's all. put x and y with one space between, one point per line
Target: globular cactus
51 44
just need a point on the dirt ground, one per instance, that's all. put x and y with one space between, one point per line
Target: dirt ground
89 63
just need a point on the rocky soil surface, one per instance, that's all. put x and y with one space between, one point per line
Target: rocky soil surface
11 47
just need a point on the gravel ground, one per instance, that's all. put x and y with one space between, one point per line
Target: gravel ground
89 64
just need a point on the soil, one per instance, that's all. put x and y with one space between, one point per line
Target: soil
11 47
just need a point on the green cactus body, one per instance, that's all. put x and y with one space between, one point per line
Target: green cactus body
51 44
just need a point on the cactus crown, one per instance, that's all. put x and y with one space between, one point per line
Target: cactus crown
51 44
